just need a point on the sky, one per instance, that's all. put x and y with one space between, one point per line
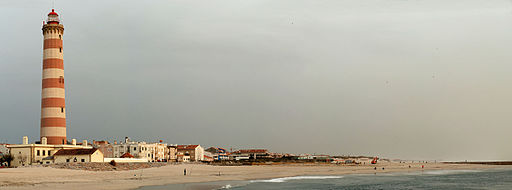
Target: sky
410 79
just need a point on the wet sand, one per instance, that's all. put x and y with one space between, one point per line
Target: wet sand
42 178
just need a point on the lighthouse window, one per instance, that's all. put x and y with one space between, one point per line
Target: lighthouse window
60 36
60 50
61 79
62 109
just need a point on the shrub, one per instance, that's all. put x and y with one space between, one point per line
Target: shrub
113 163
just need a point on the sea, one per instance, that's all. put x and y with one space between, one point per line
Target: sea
433 179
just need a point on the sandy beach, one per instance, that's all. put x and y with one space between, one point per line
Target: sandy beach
52 178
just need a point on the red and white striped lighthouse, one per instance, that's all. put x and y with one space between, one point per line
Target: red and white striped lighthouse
53 105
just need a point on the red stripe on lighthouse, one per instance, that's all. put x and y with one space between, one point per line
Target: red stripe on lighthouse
56 140
53 122
53 102
53 64
53 83
52 43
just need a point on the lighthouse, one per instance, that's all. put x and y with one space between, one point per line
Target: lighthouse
53 105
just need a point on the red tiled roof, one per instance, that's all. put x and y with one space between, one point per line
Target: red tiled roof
251 151
101 142
127 155
75 151
186 147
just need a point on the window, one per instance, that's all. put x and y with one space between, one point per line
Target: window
83 160
38 153
44 153
61 79
60 37
49 153
134 148
60 50
67 160
61 109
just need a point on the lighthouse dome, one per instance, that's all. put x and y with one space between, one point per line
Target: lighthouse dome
53 17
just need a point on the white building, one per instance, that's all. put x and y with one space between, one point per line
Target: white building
34 154
78 155
150 151
196 152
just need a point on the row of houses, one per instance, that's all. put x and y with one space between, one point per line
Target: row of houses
99 151
135 151
152 152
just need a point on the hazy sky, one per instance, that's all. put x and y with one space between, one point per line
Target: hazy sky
393 78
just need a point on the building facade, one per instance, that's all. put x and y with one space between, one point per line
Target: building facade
153 152
35 154
78 155
196 152
105 147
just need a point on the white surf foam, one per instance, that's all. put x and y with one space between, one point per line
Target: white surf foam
228 186
284 179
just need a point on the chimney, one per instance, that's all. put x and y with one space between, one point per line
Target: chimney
73 141
25 140
44 140
84 143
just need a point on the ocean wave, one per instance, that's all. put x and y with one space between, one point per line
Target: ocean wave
445 172
284 179
228 186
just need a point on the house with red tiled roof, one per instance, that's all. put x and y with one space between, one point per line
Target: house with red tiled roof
196 152
78 155
127 155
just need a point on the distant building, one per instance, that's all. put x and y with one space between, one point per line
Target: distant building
183 158
216 153
196 152
105 147
251 154
78 155
33 154
207 158
172 153
151 151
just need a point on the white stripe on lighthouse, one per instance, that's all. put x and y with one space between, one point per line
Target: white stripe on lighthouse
53 73
53 93
52 53
53 112
52 35
53 131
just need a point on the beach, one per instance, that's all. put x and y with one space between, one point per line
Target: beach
52 178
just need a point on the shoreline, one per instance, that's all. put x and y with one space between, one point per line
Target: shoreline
52 178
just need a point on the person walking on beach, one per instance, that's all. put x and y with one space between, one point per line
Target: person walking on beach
185 171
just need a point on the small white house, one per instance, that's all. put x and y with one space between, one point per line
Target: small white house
78 155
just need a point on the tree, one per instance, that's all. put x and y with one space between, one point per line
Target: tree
6 158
